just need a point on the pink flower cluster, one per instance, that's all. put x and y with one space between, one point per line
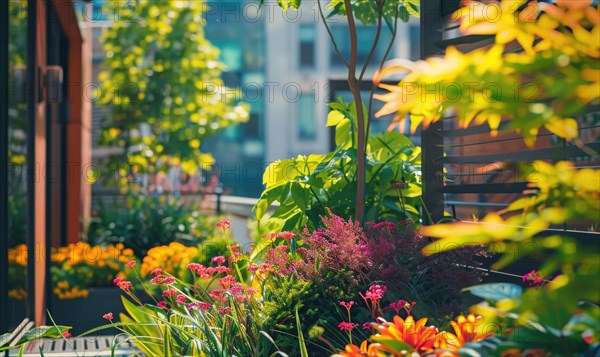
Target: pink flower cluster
347 305
224 225
162 280
286 235
375 292
208 272
339 245
347 326
220 260
401 305
533 277
123 284
372 297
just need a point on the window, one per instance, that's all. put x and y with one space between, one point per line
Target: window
305 116
365 37
414 40
307 45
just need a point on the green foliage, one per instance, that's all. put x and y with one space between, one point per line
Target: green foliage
231 323
306 186
543 329
563 194
31 335
315 303
213 247
164 88
148 221
367 11
552 80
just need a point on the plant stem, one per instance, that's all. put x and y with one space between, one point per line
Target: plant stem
360 116
376 41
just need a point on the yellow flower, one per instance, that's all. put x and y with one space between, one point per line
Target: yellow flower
466 329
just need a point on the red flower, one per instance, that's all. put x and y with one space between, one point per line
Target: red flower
347 326
224 310
286 235
162 305
67 334
181 299
204 306
130 264
219 260
270 236
124 284
533 277
375 293
220 269
224 225
169 292
227 281
108 316
168 280
156 271
194 267
347 305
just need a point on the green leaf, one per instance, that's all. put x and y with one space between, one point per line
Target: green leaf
293 222
299 196
302 344
412 190
167 342
4 338
343 130
334 118
403 13
286 4
43 332
413 7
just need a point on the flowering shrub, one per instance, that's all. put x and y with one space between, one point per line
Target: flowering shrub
395 251
17 272
214 313
173 258
74 268
147 221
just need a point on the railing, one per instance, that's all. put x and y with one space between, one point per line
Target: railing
234 208
466 171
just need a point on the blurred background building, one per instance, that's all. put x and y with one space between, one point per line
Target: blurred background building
281 64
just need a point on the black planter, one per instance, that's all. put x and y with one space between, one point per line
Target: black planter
84 314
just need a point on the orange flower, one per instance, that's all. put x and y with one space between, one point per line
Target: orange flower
466 329
417 335
365 349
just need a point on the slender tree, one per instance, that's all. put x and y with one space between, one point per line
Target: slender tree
162 82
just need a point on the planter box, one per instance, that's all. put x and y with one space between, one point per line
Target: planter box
86 313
